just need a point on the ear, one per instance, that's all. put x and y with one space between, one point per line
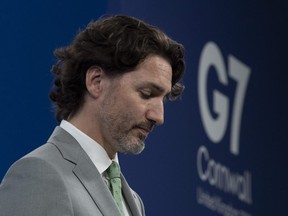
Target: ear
94 76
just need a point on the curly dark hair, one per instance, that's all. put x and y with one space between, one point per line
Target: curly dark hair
117 44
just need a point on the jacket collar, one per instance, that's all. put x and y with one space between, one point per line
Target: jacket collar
89 176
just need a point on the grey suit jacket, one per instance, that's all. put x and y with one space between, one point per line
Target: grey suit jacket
59 179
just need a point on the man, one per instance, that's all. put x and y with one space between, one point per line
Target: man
110 86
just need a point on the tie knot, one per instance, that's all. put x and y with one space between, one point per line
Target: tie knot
114 170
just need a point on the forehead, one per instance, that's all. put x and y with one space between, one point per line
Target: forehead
155 70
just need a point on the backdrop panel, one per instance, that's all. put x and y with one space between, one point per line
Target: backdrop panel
225 142
30 31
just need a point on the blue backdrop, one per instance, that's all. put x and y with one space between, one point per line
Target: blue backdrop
224 142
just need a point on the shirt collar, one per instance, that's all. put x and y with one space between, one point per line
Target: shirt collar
94 150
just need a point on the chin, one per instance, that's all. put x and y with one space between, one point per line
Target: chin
131 145
133 148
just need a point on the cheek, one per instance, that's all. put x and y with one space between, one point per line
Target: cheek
128 105
136 109
130 115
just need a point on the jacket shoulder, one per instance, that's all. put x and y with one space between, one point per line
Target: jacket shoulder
34 184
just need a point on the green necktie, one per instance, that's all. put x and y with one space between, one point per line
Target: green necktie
115 182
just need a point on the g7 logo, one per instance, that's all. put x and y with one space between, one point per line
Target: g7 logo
216 127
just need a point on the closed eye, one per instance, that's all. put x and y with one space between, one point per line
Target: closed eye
152 90
146 94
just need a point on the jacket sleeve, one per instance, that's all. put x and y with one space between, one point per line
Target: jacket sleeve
32 187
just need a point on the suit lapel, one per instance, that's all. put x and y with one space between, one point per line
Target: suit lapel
130 199
85 171
95 186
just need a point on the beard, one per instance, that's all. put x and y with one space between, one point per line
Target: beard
129 144
120 132
124 138
131 139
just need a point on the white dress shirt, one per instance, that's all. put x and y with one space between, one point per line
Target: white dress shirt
95 151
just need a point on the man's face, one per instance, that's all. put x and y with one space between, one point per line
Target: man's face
133 103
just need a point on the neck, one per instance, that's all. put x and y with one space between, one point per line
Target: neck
90 127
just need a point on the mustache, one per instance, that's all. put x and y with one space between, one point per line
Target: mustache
147 125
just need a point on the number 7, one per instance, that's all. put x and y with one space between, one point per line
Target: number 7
240 73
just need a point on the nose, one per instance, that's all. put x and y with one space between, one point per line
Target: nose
155 113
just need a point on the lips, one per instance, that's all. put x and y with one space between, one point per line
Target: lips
146 130
146 127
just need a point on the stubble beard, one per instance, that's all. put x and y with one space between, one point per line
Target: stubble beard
120 133
127 142
130 145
